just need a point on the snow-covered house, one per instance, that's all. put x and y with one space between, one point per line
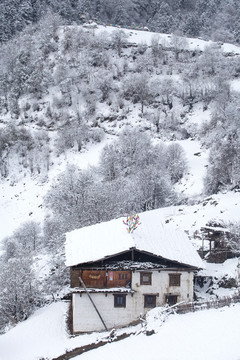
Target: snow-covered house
117 276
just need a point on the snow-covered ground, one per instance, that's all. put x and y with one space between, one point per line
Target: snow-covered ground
217 273
229 269
205 335
197 159
44 334
23 201
145 37
235 85
224 208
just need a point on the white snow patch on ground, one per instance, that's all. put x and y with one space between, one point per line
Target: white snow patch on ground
235 85
197 158
224 207
229 269
221 207
44 334
209 335
199 116
145 37
42 266
20 202
215 274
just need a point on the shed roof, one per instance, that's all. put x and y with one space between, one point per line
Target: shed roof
106 239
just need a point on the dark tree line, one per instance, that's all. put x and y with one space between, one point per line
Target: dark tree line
218 19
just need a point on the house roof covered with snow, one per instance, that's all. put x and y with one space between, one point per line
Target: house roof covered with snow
103 240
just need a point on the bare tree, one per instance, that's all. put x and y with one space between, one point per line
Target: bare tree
179 44
176 162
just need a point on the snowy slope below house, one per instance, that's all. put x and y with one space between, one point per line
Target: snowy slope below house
208 335
44 334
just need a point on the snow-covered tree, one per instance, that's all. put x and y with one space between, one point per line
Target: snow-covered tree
19 295
176 162
136 88
119 38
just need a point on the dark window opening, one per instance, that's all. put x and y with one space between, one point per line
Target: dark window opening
171 299
145 278
122 276
119 300
149 301
174 279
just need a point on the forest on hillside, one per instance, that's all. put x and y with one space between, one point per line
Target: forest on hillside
65 87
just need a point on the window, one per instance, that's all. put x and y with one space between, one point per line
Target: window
145 278
149 301
119 300
122 276
171 299
174 279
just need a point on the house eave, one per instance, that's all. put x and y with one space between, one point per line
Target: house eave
100 259
170 260
105 290
174 262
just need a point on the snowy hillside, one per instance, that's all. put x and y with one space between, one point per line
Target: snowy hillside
22 200
22 195
95 123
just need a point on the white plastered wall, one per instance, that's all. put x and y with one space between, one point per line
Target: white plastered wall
160 286
86 319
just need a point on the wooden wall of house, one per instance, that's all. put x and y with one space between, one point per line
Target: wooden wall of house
94 278
101 279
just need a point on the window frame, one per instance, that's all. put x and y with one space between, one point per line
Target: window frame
171 296
142 274
175 279
122 276
116 304
150 305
